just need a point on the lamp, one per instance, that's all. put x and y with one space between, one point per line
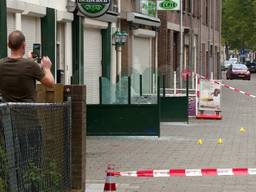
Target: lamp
124 36
120 38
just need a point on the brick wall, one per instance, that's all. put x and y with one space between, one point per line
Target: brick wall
78 95
200 29
126 48
162 42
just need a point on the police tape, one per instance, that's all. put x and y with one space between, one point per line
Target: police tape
228 86
185 172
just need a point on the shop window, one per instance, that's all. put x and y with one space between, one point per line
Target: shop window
175 50
189 2
217 23
212 14
184 5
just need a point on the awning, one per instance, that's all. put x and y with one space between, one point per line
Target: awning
143 19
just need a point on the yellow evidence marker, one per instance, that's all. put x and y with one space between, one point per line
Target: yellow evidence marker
220 141
242 130
200 142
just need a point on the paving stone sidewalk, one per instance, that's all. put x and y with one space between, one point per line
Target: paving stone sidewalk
177 148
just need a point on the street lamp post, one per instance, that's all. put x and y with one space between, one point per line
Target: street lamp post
119 39
181 41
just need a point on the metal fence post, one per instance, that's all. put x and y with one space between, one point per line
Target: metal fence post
175 83
129 90
187 93
158 90
163 85
158 103
68 126
100 86
9 144
140 85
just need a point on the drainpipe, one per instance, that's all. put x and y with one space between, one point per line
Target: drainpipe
118 48
213 39
220 29
181 41
200 39
209 39
191 34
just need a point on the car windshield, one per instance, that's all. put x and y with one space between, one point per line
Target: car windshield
239 67
233 59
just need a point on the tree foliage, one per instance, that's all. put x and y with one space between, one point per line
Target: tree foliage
239 24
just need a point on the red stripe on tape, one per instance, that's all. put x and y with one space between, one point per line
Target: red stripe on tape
236 89
226 86
113 174
145 173
110 187
177 172
209 172
240 171
247 94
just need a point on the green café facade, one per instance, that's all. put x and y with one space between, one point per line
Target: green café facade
75 40
92 57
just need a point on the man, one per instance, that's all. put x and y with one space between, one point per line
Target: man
18 78
18 75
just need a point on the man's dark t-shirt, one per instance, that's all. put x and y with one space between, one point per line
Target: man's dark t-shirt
18 79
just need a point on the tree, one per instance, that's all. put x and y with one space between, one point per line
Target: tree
239 24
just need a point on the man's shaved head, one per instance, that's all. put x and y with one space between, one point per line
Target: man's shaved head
15 40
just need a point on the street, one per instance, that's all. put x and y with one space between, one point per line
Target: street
177 148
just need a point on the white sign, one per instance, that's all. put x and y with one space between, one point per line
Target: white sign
168 5
209 99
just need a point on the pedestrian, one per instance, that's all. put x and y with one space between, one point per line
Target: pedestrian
18 76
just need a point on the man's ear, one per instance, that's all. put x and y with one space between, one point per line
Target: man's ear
24 45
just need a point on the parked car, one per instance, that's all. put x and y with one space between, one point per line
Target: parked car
238 71
226 65
229 62
251 66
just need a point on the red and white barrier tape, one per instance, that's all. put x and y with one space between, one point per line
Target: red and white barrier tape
185 172
230 87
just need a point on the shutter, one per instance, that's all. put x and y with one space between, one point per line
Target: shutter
31 27
93 66
10 25
142 64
